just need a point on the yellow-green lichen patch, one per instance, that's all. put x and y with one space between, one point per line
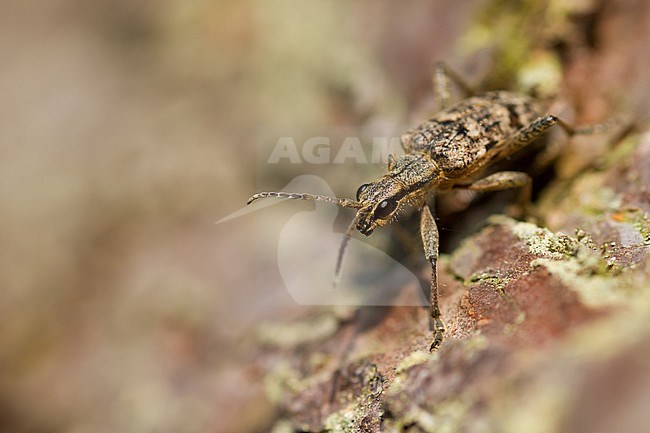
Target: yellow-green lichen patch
585 272
543 242
513 33
594 290
288 335
448 417
316 398
283 380
497 281
542 74
343 421
415 398
364 407
414 358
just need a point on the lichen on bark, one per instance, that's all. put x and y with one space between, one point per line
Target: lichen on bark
542 319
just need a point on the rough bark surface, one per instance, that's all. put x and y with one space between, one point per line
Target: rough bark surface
547 325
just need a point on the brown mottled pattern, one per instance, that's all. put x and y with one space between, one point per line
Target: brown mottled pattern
458 137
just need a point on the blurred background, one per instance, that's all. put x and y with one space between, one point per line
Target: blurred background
128 128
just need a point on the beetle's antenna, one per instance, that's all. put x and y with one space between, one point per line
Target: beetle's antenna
343 202
338 271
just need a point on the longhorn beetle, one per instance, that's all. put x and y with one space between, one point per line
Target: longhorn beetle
446 152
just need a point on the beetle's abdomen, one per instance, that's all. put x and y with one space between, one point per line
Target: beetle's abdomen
459 137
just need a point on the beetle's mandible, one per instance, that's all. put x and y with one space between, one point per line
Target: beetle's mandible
446 152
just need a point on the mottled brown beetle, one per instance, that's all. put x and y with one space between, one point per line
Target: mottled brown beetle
446 152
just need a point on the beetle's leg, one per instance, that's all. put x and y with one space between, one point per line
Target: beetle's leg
552 151
597 128
505 180
533 131
441 77
525 136
429 232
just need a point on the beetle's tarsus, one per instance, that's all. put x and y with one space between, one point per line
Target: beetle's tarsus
438 335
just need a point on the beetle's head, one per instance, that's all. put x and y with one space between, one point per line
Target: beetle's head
406 182
381 201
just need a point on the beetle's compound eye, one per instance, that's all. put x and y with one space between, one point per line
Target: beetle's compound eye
361 189
385 208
